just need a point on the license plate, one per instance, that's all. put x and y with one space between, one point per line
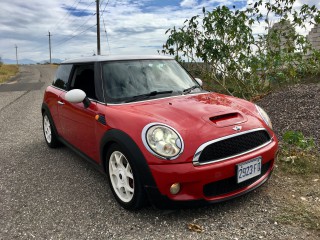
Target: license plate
249 169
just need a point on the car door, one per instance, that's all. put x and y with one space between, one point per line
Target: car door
78 122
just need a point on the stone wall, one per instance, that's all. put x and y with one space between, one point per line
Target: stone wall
284 29
314 37
281 39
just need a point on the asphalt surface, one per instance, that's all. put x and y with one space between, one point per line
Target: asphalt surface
54 194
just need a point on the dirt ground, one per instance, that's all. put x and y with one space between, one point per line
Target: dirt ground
296 196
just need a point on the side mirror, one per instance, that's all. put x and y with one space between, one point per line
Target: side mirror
77 96
199 81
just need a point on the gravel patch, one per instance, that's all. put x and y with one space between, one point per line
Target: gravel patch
295 108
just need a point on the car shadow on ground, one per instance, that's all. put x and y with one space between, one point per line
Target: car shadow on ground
60 190
68 158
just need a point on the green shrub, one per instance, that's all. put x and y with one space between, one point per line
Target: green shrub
297 139
225 53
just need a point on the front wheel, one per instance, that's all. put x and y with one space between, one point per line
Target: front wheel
49 134
123 179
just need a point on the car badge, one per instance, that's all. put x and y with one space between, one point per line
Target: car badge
237 128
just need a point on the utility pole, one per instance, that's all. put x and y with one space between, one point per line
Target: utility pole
50 45
98 27
16 47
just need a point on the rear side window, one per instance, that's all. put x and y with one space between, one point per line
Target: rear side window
62 76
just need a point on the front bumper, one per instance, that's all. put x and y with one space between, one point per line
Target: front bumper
208 183
163 202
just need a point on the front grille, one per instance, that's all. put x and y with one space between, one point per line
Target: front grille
229 185
234 146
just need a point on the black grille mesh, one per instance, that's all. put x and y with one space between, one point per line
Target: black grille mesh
229 185
234 146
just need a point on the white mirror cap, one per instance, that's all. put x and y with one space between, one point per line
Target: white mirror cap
199 81
75 96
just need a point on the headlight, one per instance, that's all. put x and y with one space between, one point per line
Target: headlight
162 140
264 116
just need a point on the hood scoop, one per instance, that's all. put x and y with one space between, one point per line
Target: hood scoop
228 119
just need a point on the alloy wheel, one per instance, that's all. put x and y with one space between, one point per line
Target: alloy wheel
47 129
121 176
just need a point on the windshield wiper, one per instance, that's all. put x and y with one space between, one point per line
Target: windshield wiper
150 94
188 90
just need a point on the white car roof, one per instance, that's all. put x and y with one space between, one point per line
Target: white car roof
102 58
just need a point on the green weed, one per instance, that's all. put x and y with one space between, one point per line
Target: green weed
298 154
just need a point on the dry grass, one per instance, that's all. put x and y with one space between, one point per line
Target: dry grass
54 65
299 200
7 71
298 171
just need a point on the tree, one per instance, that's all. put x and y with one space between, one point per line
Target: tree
222 47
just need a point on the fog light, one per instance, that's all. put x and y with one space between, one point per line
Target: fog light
175 188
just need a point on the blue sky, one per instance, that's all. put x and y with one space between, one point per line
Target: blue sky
127 26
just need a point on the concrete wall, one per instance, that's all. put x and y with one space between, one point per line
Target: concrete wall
314 36
282 32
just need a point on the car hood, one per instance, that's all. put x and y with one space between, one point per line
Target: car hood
195 113
198 118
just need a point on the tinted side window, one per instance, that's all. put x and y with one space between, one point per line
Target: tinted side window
62 76
83 78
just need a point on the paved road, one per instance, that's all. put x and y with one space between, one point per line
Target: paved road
54 194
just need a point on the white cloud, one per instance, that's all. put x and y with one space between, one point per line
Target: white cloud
188 3
133 27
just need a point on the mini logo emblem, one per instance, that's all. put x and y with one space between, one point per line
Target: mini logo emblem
237 128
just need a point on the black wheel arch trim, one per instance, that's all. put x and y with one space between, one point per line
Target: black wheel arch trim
128 144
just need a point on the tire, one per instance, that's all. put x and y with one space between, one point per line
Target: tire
48 131
123 178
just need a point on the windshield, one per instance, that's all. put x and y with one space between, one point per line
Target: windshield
124 81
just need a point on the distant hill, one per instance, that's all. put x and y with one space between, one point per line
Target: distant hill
21 61
29 61
53 60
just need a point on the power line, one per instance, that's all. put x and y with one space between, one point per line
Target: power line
75 35
104 8
75 31
101 3
42 48
79 26
104 24
59 23
105 30
83 12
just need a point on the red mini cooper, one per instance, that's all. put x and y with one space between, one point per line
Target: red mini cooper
149 125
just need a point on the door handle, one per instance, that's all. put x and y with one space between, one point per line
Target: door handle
60 103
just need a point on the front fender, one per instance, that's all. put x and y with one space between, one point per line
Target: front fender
135 154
